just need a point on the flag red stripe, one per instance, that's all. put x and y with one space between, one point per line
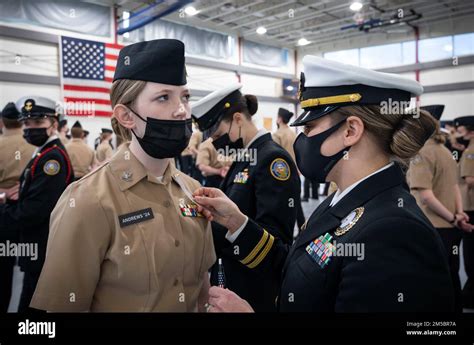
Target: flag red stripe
109 79
110 68
113 45
86 88
87 100
91 114
111 57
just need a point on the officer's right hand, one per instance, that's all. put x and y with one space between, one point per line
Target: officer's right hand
216 206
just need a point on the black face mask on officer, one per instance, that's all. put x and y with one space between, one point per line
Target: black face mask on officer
311 162
36 136
224 142
164 138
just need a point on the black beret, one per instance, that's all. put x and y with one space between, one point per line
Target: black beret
86 133
77 124
106 130
464 121
159 61
436 110
10 111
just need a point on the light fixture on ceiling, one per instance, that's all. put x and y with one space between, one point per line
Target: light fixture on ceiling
191 11
356 6
448 48
261 30
303 41
290 88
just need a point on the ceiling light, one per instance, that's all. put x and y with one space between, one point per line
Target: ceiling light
290 88
191 11
303 41
356 6
261 30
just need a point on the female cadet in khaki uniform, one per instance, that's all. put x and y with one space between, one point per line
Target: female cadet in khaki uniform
465 127
126 237
433 181
368 247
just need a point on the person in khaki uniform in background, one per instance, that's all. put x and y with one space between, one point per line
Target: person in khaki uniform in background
465 127
432 177
104 150
81 155
142 246
15 154
285 136
212 165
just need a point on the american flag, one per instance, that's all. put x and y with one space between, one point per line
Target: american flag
87 71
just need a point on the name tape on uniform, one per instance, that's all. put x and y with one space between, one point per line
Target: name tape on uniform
135 217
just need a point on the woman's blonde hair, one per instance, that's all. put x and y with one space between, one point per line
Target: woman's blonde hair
124 91
399 135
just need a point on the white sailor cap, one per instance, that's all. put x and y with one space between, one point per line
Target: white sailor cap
209 110
36 106
326 85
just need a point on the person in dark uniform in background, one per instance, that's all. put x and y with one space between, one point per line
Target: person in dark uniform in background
368 247
41 184
285 137
465 127
63 130
433 181
263 181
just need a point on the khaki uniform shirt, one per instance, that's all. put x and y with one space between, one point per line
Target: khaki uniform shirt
82 157
434 168
119 242
196 139
207 155
63 138
104 151
285 137
466 168
15 153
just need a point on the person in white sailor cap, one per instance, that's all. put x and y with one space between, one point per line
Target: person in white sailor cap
262 181
42 182
368 247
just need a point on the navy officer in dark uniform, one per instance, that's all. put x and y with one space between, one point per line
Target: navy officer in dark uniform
41 184
367 247
263 181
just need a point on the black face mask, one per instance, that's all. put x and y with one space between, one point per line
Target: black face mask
36 136
312 164
165 138
462 141
225 144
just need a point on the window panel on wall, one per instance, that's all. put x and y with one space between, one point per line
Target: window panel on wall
438 48
387 55
350 56
76 16
408 53
260 54
464 44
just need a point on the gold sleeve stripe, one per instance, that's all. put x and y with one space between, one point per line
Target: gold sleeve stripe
263 254
257 248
